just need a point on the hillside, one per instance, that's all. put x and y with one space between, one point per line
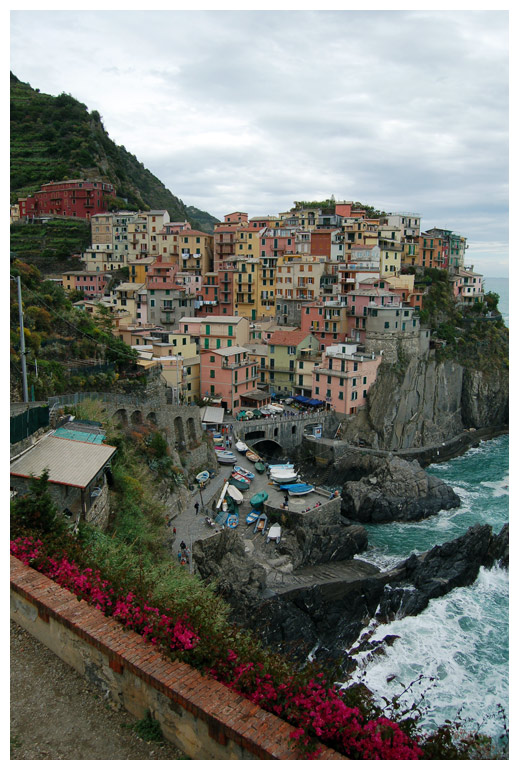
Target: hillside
56 137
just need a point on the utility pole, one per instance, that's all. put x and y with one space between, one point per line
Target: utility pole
22 342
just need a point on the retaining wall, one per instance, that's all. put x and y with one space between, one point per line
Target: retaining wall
199 715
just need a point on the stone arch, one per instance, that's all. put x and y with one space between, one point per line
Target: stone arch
180 438
294 429
191 431
152 417
121 416
136 417
254 434
275 431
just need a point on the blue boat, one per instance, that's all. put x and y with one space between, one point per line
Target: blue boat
232 521
252 517
297 489
243 472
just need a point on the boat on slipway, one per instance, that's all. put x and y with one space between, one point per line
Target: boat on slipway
261 524
226 458
297 489
257 500
235 493
284 477
252 456
243 472
241 447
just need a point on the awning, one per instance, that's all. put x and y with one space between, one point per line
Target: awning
315 402
212 414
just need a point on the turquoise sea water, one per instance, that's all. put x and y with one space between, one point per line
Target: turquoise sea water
460 640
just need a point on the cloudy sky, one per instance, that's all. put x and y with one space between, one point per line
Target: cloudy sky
252 110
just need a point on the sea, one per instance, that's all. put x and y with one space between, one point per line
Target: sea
456 651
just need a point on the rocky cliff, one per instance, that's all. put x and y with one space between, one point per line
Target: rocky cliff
422 403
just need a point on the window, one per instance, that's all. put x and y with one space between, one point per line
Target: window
317 391
354 395
212 359
341 396
386 324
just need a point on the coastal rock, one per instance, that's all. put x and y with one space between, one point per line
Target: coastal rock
401 491
320 542
498 551
485 398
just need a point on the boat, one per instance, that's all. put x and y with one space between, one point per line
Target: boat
226 458
280 467
202 477
252 516
243 472
239 483
235 493
252 456
222 495
241 477
260 467
259 498
274 533
241 447
297 489
261 524
232 521
284 476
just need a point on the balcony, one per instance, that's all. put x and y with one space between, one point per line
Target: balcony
235 364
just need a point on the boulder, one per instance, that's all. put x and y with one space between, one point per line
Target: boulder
395 490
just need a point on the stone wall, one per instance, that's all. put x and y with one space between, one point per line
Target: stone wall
199 715
393 343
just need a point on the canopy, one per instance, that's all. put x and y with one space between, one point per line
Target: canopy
302 399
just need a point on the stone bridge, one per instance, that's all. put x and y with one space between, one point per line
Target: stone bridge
285 432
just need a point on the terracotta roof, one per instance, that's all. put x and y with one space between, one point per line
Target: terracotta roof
288 338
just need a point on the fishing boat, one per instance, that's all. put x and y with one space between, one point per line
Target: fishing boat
239 483
284 476
252 517
241 447
260 467
202 477
274 533
235 493
261 524
241 477
258 499
226 458
244 472
280 467
297 489
232 521
252 456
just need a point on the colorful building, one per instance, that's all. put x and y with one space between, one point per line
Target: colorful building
227 374
286 349
343 377
80 198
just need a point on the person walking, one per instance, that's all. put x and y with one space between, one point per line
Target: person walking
197 506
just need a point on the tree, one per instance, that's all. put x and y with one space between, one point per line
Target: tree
492 300
36 510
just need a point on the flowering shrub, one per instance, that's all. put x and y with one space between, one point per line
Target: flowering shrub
87 584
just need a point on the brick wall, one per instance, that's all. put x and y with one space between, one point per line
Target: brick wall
200 716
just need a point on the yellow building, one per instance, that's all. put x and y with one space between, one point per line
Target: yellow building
246 280
246 242
390 259
138 268
299 277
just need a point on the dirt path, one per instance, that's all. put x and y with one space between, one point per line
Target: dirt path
55 714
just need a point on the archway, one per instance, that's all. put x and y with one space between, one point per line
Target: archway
121 417
180 438
269 450
136 417
152 417
191 431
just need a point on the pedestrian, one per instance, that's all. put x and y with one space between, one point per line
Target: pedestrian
197 506
182 546
174 530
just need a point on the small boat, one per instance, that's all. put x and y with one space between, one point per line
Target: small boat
240 484
260 467
259 499
226 458
202 477
241 477
297 489
241 447
280 467
261 524
235 493
274 533
252 516
252 456
243 472
232 521
284 476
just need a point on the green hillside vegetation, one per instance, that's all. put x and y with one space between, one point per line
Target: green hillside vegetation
55 138
470 337
328 207
66 349
50 246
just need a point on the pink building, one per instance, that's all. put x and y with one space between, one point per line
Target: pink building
344 377
275 242
161 275
359 300
228 374
467 287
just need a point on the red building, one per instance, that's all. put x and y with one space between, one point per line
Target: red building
71 198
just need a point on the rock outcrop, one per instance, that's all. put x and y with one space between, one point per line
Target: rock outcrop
391 489
329 615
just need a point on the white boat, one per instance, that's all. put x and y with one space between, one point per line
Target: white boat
284 477
241 447
226 458
235 493
274 533
280 467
